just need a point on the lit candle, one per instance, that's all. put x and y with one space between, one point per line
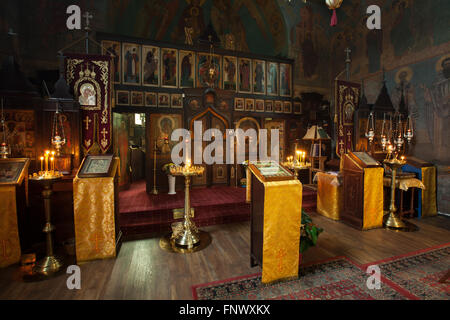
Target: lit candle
188 163
403 158
42 163
52 164
298 155
46 160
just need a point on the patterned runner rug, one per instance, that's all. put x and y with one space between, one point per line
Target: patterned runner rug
412 276
336 279
418 273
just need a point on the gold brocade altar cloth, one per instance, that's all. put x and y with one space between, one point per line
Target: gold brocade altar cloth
95 236
404 184
373 198
281 232
330 199
10 251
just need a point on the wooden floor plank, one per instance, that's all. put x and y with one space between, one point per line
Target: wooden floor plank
144 271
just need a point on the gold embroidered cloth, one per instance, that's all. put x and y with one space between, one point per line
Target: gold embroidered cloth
404 184
429 207
9 233
281 232
330 199
373 198
94 217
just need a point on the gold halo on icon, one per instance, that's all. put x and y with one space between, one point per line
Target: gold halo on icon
439 62
406 73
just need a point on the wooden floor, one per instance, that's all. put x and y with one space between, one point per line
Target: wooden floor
144 271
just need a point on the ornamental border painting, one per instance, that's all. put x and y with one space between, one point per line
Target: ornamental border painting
230 73
176 100
239 104
259 76
272 72
150 66
297 108
269 105
278 106
137 98
203 70
131 61
249 104
245 75
163 100
285 80
122 98
186 69
108 48
287 107
169 68
151 99
259 105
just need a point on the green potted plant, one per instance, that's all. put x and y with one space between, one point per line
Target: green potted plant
172 179
309 233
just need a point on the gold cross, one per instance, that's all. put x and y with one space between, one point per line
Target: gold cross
87 121
104 133
280 255
97 240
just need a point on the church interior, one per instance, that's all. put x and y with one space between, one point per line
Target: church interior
350 98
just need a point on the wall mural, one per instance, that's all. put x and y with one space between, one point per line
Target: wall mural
426 87
20 132
249 25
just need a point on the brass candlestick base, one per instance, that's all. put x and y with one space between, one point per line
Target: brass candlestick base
392 220
50 264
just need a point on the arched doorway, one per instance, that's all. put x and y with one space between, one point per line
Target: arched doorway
215 174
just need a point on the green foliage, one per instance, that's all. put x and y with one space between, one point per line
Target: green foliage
309 233
166 168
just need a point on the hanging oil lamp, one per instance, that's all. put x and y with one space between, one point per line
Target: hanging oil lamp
333 5
383 138
409 132
212 67
58 138
370 130
5 150
399 139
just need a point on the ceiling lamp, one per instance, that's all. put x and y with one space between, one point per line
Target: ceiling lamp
333 5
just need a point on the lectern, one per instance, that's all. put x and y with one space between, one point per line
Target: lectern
12 174
426 172
363 191
276 213
95 195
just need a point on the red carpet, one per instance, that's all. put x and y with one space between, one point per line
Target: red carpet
412 276
334 279
142 213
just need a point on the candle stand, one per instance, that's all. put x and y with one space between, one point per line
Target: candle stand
188 235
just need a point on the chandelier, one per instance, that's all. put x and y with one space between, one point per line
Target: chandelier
211 64
393 133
